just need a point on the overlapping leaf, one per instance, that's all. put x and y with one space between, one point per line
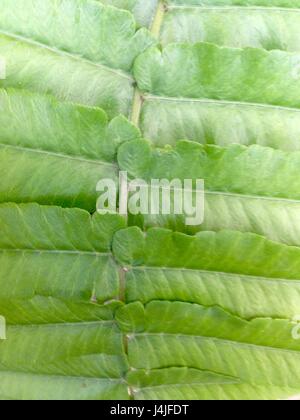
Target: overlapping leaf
59 290
239 354
56 153
210 94
63 361
240 272
77 50
62 338
270 27
85 319
250 189
56 264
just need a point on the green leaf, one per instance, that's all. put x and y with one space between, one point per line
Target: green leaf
110 349
211 392
168 120
40 56
59 289
214 342
55 153
269 3
41 21
23 386
243 273
250 189
56 265
89 364
242 96
208 71
268 28
143 11
99 311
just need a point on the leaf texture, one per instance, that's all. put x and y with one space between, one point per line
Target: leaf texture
244 352
269 27
56 266
204 347
203 268
183 70
143 11
94 44
242 96
168 120
99 310
250 189
271 3
36 145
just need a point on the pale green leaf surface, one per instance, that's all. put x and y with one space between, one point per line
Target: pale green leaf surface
59 290
242 273
250 74
212 392
34 121
269 3
56 153
69 78
20 386
235 169
242 96
178 376
159 317
84 28
57 265
91 349
268 28
187 384
167 120
248 254
250 189
142 10
244 295
77 50
210 340
46 178
63 361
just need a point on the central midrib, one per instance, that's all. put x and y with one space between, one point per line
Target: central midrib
155 31
135 119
